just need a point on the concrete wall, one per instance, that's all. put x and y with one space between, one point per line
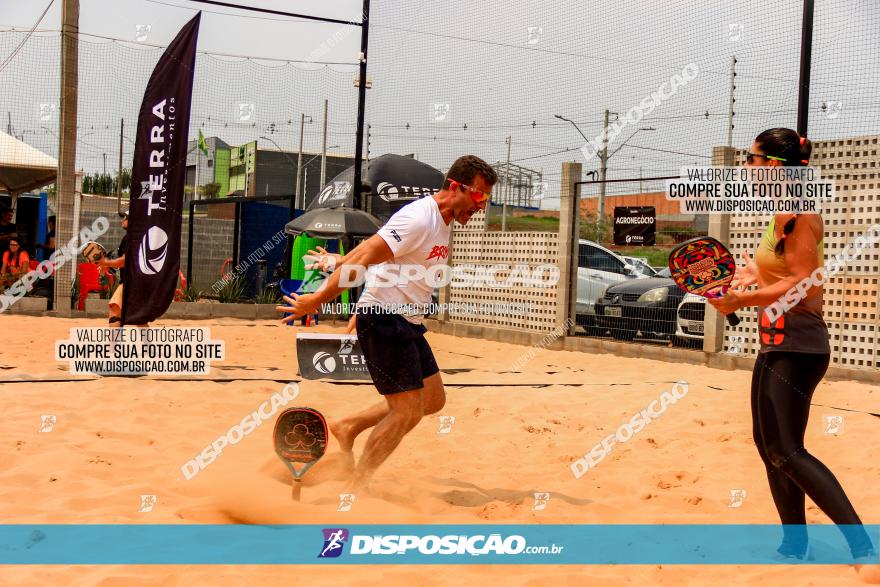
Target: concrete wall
212 246
533 309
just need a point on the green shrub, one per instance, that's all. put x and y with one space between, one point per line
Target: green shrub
232 291
269 295
191 294
74 293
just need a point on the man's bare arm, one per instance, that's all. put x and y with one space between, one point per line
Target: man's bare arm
117 263
370 252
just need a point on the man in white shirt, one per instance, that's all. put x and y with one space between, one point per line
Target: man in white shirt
389 319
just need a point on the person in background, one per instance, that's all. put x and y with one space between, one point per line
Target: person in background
16 263
7 228
49 246
115 305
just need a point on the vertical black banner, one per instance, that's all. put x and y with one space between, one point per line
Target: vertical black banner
634 225
152 261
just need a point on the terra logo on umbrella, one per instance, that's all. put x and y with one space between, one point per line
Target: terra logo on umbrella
395 180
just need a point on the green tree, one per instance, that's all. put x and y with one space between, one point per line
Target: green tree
126 178
211 190
105 183
600 232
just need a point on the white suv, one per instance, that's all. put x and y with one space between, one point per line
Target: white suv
598 268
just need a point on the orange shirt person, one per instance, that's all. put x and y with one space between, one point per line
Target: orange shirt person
16 263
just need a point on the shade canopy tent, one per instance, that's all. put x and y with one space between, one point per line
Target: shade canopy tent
22 167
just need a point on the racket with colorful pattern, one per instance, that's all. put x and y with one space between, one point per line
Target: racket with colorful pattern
703 266
300 438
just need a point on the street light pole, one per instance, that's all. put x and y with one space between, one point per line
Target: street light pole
623 144
305 167
603 160
302 124
605 157
119 174
506 189
603 167
300 193
577 128
324 145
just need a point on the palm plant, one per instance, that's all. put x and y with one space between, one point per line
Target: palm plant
232 291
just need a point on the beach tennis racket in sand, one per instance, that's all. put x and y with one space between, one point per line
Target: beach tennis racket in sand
300 439
93 252
703 266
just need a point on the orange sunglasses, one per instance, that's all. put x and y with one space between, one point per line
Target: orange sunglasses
476 195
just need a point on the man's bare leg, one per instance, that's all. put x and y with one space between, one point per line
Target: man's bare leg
404 412
347 429
433 395
115 315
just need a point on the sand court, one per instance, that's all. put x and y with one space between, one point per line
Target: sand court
116 439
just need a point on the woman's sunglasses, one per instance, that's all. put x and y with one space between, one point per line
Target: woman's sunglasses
750 157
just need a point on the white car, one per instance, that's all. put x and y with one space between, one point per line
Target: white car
642 266
598 268
690 318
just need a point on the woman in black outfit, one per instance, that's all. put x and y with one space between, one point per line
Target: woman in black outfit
794 356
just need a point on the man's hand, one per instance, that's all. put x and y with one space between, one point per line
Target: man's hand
323 261
372 251
298 305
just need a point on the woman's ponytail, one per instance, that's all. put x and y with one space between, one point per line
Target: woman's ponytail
806 150
795 151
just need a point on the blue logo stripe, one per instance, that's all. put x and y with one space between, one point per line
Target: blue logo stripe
420 544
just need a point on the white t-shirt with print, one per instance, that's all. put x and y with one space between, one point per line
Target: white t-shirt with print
418 236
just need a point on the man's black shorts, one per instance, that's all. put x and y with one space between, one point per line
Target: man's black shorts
398 356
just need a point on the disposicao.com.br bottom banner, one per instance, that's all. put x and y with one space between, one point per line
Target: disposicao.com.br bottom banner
420 544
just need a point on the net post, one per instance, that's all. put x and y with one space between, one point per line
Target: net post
569 230
719 227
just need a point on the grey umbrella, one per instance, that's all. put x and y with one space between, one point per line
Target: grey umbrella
336 222
393 181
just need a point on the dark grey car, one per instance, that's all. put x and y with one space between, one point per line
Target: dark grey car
640 306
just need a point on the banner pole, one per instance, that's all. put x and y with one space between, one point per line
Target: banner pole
362 100
803 113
